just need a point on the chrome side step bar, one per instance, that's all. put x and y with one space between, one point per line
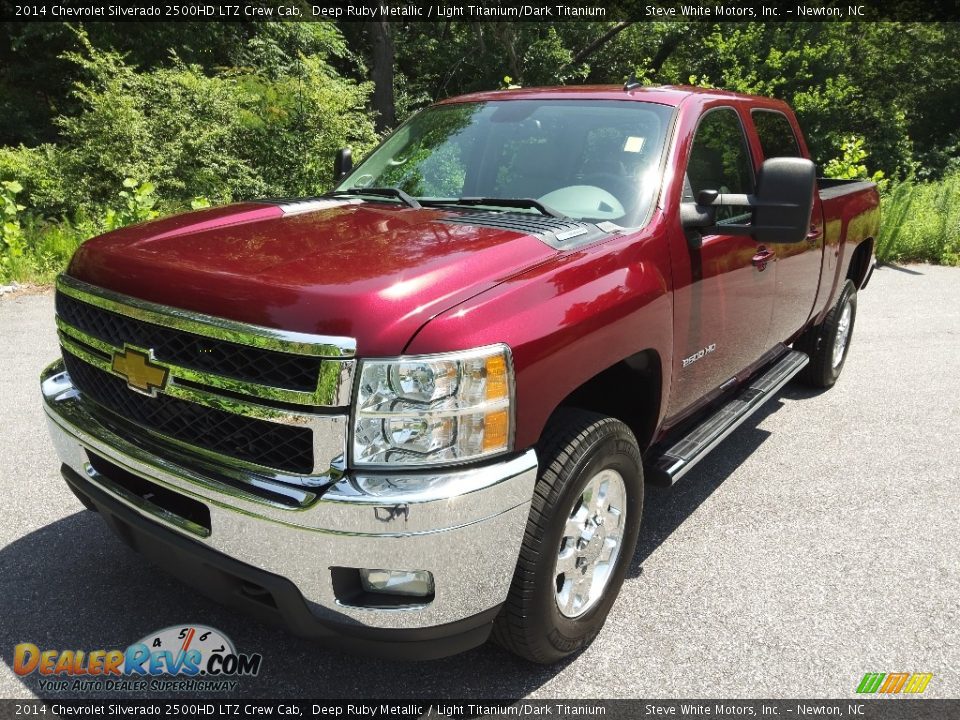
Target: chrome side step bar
666 466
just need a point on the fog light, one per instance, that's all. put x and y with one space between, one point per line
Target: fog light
416 583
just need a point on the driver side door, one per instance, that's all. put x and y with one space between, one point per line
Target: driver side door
724 289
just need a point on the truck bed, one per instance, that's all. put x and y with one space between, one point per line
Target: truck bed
833 187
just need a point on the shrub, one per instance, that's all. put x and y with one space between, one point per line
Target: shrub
921 222
35 249
38 170
137 205
236 134
176 137
850 164
11 234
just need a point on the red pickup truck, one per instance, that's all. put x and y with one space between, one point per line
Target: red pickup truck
423 408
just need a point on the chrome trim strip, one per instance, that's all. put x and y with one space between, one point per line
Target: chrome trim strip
295 207
334 384
208 325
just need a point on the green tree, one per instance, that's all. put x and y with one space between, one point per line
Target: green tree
240 132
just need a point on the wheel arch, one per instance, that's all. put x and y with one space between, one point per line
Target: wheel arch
860 262
629 390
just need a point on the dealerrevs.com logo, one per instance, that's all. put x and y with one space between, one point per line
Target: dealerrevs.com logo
182 657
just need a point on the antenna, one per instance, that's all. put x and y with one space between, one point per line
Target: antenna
632 83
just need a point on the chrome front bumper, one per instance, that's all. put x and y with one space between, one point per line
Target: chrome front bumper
465 527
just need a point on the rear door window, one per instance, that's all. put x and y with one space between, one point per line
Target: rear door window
777 138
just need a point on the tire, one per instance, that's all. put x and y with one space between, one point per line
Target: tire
820 341
579 449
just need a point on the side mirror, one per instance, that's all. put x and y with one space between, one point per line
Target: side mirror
342 164
785 191
780 209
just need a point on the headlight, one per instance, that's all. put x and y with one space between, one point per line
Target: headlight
432 409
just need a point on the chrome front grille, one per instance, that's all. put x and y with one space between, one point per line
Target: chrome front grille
278 446
192 351
239 395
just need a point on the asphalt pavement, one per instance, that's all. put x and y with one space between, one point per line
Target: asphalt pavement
821 541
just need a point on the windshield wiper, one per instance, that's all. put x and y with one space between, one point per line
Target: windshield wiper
500 202
380 192
468 201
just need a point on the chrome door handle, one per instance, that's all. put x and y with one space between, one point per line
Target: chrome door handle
762 257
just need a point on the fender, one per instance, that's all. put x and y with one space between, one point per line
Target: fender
849 220
567 320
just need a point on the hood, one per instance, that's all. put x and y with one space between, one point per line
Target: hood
372 271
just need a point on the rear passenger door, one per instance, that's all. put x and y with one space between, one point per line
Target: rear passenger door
797 265
723 288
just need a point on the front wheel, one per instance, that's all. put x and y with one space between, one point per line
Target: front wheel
827 344
580 537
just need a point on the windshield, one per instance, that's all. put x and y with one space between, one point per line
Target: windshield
590 160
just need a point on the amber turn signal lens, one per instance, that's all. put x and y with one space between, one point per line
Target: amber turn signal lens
497 378
495 427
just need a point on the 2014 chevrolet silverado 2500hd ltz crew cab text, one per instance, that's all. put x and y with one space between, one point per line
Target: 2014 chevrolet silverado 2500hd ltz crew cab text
423 408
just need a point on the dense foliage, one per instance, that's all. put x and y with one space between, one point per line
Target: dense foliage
103 124
892 84
223 133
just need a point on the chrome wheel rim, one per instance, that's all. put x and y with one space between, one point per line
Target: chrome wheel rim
843 334
592 538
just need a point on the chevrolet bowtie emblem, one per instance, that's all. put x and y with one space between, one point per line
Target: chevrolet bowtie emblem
142 374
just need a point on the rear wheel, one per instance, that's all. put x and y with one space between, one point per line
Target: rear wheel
827 344
580 537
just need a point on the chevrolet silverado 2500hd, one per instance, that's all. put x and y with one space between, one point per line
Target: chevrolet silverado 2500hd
423 407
